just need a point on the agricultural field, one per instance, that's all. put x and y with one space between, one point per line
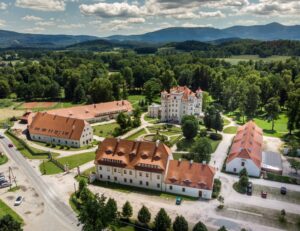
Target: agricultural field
235 59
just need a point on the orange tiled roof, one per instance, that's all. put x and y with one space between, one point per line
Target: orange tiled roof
247 144
86 112
182 89
188 174
56 126
141 155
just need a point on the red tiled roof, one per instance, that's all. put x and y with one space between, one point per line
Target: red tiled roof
56 126
182 89
247 144
188 174
142 155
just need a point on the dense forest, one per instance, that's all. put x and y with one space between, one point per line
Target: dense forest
97 77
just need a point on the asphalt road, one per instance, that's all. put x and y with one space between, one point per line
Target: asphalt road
61 215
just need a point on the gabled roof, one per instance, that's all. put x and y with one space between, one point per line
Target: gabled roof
184 90
188 174
141 155
247 144
56 126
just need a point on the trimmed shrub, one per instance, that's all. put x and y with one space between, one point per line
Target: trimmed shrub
216 136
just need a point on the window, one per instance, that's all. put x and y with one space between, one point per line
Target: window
130 180
234 169
115 178
170 187
130 172
101 176
183 189
115 170
100 168
125 180
147 183
108 169
147 174
158 177
141 182
108 177
125 172
158 185
141 174
243 164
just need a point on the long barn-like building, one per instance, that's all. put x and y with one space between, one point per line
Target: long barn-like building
150 165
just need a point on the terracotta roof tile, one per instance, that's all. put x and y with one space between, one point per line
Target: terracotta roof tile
188 174
247 143
56 126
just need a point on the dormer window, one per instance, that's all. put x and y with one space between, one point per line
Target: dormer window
144 155
120 153
108 151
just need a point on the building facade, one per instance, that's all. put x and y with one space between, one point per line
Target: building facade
246 150
150 165
176 103
59 130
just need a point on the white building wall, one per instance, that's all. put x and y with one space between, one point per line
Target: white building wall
188 191
235 166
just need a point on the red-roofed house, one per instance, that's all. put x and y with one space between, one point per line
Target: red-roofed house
176 103
150 165
246 150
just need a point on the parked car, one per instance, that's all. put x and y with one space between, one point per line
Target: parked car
18 200
178 200
249 188
5 184
264 194
10 145
283 190
1 136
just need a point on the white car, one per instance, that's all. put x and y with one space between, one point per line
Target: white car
18 200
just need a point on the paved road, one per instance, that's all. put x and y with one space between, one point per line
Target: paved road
62 217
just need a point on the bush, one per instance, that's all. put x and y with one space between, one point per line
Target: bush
221 206
203 132
215 136
216 188
279 178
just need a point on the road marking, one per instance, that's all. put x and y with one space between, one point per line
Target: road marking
246 212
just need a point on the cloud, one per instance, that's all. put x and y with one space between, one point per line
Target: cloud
31 18
196 25
118 24
2 22
70 26
34 30
274 8
46 23
42 5
108 10
3 6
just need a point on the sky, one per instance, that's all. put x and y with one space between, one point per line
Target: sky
106 17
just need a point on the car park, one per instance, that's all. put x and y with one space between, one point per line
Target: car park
283 190
249 188
18 200
178 200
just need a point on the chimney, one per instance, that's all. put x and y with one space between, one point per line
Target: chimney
204 162
157 143
122 102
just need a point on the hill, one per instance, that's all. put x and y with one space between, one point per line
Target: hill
272 31
10 39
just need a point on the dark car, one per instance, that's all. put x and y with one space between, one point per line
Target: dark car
178 200
264 194
283 190
10 145
249 188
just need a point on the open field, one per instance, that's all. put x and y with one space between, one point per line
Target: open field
41 106
105 130
73 161
235 59
5 209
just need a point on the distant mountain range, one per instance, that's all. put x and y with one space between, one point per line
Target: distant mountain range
272 31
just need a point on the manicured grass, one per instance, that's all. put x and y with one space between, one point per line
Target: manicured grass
226 122
5 209
230 130
62 147
3 159
38 154
122 228
185 145
151 120
136 135
134 99
73 161
166 130
235 59
105 130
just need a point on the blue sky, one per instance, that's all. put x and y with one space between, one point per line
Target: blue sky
107 17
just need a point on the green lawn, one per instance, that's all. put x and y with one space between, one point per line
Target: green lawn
105 130
230 130
122 228
5 209
62 147
165 130
235 59
38 154
87 172
134 99
226 122
6 103
136 135
185 145
3 159
150 119
73 161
